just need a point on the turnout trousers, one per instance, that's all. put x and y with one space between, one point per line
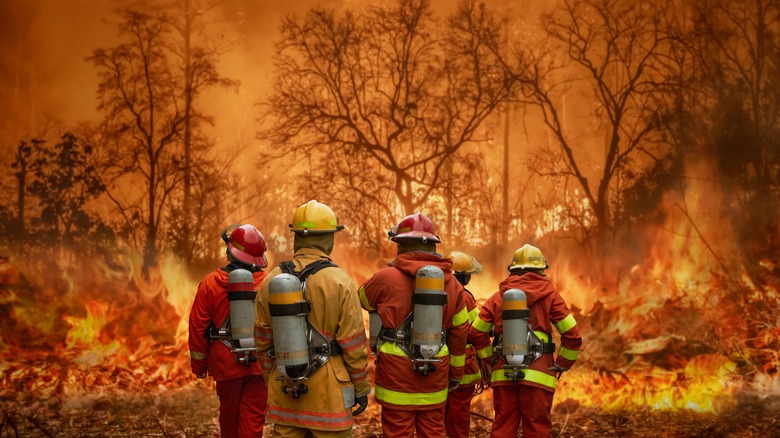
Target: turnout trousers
521 403
427 423
457 416
242 404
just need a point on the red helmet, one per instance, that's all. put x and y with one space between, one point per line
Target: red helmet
415 226
246 244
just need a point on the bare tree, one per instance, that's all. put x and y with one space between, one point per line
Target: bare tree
609 51
140 94
385 96
197 51
738 47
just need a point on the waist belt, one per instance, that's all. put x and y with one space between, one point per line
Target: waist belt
391 335
548 348
332 349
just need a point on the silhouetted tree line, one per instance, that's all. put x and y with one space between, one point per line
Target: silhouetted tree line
388 109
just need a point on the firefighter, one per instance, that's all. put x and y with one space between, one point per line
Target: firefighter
240 386
526 394
457 413
321 405
412 390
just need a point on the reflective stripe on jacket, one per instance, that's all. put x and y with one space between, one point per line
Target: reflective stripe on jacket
471 372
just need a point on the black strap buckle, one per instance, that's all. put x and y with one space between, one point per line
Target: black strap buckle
332 349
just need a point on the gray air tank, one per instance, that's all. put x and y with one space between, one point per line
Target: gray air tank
515 314
374 327
429 300
288 321
241 296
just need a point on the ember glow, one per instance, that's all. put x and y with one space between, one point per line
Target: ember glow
678 305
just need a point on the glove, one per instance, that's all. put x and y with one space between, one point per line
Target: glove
363 402
453 384
486 369
557 369
201 376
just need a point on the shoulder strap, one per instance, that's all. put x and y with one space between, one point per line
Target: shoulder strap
288 267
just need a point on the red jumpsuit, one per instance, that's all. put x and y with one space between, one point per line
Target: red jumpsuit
411 401
241 389
530 399
457 414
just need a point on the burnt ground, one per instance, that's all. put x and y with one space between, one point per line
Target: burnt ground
192 412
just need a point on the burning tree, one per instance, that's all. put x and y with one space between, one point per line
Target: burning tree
604 55
379 100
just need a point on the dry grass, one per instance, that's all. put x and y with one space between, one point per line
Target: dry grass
192 412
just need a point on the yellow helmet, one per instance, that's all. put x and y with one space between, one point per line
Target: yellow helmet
314 218
528 257
463 263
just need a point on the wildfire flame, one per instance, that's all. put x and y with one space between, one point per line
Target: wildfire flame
669 337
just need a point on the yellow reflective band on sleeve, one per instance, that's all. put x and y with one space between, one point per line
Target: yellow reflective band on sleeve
458 361
364 299
568 354
485 352
410 398
481 325
565 324
473 315
539 377
197 356
460 317
470 378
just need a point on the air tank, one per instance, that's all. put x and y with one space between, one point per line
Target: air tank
241 296
429 300
515 314
374 326
288 320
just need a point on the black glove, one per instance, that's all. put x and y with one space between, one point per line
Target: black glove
201 376
363 402
453 384
486 369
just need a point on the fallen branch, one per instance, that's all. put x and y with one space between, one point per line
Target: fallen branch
482 416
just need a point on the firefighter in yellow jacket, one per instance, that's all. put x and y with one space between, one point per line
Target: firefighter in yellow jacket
320 403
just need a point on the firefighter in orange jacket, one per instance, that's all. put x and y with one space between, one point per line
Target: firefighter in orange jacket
413 394
325 409
528 396
240 386
457 414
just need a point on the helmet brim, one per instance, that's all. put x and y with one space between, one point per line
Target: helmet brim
246 258
417 235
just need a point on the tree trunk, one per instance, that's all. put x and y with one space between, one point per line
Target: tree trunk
505 197
21 177
187 208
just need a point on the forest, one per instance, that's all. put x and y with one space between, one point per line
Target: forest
637 143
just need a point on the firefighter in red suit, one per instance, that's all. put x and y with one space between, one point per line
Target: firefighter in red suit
412 401
241 389
529 399
457 414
